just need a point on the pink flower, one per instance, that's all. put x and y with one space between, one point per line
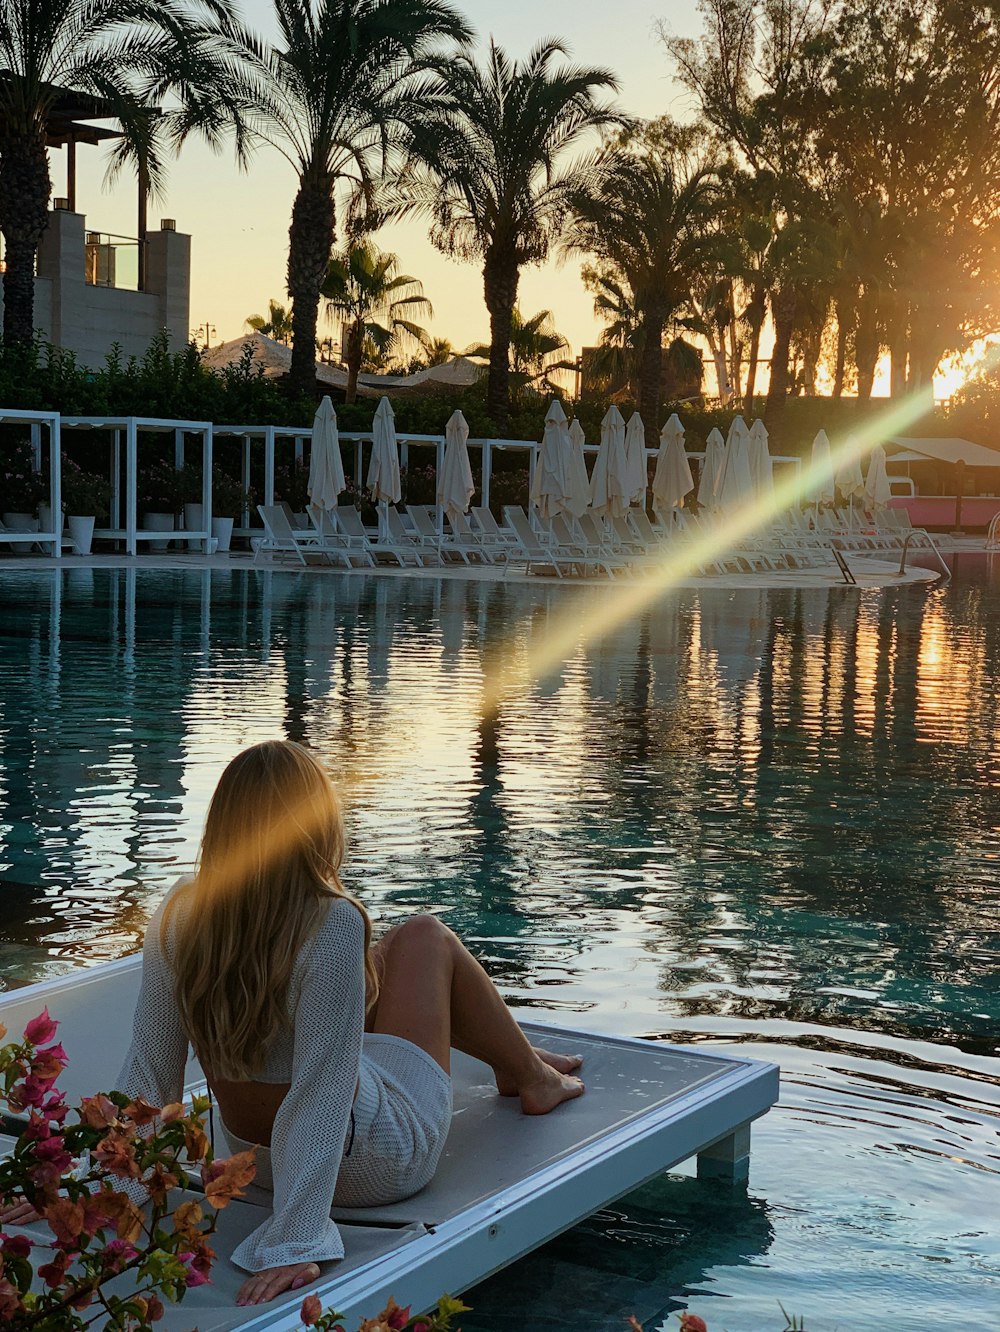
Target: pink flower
15 1246
40 1030
118 1253
49 1063
37 1128
53 1152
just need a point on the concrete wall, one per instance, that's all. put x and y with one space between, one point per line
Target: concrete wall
87 319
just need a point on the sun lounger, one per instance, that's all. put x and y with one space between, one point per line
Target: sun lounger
489 530
506 1183
333 538
591 556
280 538
464 539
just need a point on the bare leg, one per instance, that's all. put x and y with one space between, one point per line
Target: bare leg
434 993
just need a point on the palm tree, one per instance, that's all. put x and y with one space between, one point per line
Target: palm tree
646 222
488 166
277 324
438 351
129 54
535 348
372 299
332 97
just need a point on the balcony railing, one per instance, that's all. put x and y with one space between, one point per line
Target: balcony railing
112 261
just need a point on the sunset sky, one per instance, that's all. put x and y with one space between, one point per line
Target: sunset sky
239 222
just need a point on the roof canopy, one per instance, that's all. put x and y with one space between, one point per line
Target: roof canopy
71 106
950 450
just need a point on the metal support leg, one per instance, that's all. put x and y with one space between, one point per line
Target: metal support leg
728 1159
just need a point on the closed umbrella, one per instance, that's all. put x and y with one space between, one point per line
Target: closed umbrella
635 459
579 482
760 461
326 467
821 470
383 470
848 478
609 496
550 485
455 484
735 486
711 469
672 480
877 488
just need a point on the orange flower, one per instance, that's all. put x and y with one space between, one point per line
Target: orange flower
195 1142
172 1112
65 1219
116 1153
98 1111
127 1218
141 1112
226 1180
692 1323
311 1310
187 1218
159 1184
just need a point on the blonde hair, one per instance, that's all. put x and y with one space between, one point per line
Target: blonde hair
270 861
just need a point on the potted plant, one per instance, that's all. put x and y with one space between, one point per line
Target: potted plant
159 498
85 498
21 488
229 500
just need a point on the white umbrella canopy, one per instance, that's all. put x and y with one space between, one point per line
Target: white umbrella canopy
877 488
550 485
736 483
711 469
761 469
848 478
635 459
609 496
383 470
455 484
821 469
326 467
579 482
672 480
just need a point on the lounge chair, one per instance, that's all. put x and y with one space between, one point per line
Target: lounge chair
589 556
465 540
333 537
280 538
535 553
489 530
401 544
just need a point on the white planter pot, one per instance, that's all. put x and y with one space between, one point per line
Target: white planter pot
81 533
194 521
157 522
20 522
222 531
45 518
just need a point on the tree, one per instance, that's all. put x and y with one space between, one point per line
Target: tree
645 217
333 98
489 167
127 53
373 301
277 324
535 349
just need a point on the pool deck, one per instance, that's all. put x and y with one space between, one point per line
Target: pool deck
869 571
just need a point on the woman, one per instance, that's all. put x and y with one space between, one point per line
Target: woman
329 1052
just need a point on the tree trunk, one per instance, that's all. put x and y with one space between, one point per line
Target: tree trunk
310 240
783 311
355 354
752 367
866 344
25 188
719 360
500 279
840 360
651 376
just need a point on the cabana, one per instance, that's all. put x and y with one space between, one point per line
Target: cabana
51 421
124 517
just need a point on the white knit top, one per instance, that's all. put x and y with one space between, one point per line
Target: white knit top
318 1053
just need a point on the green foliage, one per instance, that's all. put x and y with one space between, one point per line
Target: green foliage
21 487
83 493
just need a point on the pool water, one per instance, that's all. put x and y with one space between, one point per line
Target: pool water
764 818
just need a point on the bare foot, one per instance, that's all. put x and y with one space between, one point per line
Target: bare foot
562 1063
551 1089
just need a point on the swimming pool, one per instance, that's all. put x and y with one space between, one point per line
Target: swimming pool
753 816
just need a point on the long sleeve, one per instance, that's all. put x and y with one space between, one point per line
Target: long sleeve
154 1065
310 1128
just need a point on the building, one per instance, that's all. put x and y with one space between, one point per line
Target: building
92 289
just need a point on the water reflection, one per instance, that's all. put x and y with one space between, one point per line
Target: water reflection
749 803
